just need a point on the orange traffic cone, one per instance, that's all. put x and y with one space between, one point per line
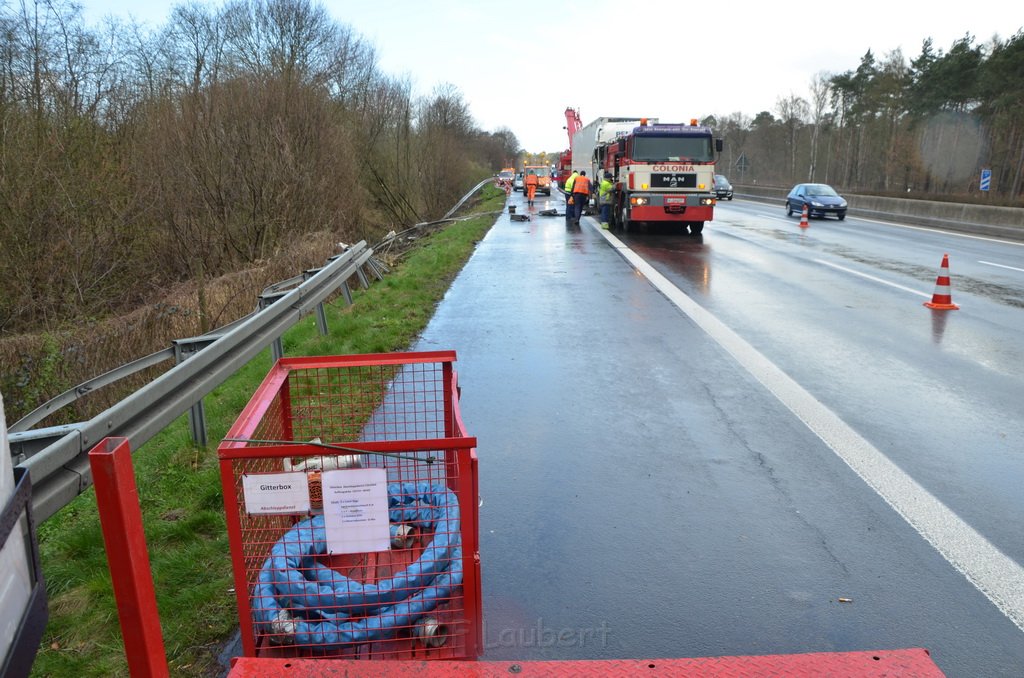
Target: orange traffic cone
803 218
941 298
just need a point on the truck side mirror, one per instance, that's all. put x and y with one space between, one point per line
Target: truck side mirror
719 143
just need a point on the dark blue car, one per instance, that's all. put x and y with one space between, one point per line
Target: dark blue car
723 189
821 200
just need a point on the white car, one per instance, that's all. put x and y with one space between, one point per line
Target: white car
517 183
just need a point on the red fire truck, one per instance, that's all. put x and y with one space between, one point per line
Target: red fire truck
662 173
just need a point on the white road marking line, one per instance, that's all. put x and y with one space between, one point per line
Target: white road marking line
871 277
996 575
940 231
899 225
1012 268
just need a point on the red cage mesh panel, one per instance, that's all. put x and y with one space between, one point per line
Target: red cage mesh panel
418 599
368 402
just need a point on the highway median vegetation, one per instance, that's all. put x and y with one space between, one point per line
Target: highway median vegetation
179 484
154 179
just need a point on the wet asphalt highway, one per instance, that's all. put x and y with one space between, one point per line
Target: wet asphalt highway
648 493
839 308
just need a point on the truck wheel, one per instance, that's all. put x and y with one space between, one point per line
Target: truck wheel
696 227
623 220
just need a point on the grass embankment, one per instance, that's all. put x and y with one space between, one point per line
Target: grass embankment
179 484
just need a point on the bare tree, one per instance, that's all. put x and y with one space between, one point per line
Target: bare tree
792 111
133 158
291 39
444 126
820 85
509 145
193 44
734 129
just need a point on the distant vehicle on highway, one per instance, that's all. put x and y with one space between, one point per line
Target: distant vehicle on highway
723 189
517 183
821 200
543 178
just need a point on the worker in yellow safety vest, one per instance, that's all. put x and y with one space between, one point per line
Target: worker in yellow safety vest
580 195
569 182
568 194
604 198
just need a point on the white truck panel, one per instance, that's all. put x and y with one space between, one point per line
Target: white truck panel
15 579
597 132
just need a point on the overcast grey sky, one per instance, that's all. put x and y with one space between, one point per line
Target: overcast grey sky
669 60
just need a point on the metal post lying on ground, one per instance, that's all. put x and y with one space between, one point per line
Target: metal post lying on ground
117 499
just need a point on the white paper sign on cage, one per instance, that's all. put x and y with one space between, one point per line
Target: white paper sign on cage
272 493
356 510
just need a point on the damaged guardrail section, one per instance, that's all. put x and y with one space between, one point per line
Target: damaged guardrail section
56 458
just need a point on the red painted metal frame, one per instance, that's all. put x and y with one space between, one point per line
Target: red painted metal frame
472 581
272 402
117 499
464 455
406 358
657 213
282 451
276 381
903 663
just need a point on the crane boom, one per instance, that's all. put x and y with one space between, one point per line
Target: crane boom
572 123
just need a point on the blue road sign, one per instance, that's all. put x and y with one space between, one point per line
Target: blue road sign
986 179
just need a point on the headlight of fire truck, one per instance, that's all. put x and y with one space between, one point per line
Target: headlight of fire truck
707 201
639 201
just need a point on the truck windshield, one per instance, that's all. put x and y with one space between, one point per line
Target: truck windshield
677 149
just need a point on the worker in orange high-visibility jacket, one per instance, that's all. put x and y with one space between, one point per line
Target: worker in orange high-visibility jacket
530 184
580 196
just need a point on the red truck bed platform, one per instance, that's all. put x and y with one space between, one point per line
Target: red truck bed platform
906 663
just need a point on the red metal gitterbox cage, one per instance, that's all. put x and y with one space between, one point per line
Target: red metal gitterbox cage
352 511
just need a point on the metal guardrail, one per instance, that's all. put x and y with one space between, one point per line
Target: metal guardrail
466 197
73 394
57 457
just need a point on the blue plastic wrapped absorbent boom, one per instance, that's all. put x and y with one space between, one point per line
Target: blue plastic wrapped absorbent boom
300 601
